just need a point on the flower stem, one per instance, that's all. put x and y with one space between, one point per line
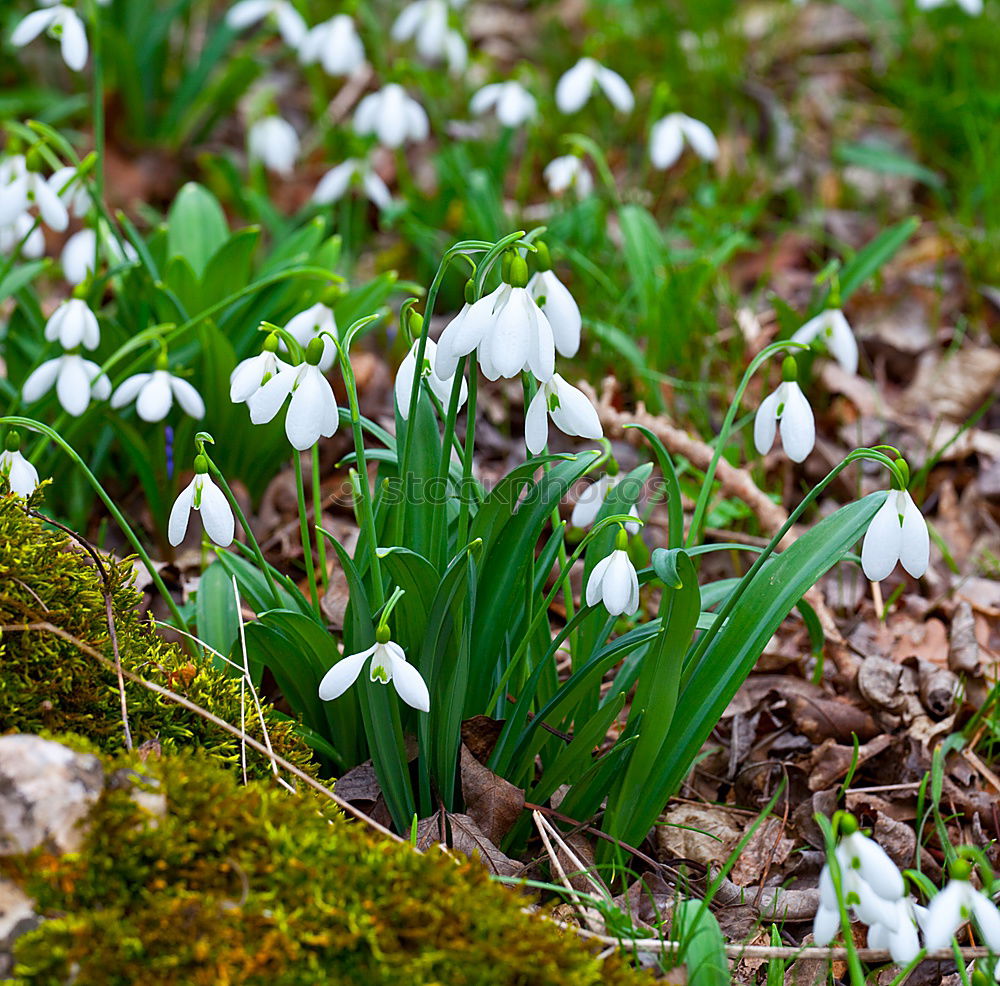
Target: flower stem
701 507
317 495
307 551
467 457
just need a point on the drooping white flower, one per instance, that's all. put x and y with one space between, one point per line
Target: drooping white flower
274 142
569 171
903 944
870 882
73 324
508 330
666 140
392 116
291 26
21 475
23 230
312 411
973 7
337 180
426 23
897 533
576 86
833 329
591 499
21 188
252 373
570 410
441 387
614 581
61 22
788 409
80 252
76 380
154 394
72 190
203 495
336 45
513 104
388 663
559 306
307 325
956 904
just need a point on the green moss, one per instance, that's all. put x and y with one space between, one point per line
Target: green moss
49 684
249 885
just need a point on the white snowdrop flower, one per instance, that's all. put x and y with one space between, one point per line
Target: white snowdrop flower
58 21
591 499
80 252
388 663
833 329
441 387
569 171
72 191
614 581
291 26
973 7
554 299
337 180
426 23
21 475
870 882
21 188
666 140
312 411
506 327
570 410
575 87
903 944
76 380
897 533
788 409
956 904
73 324
336 45
274 142
252 373
25 231
392 116
513 104
154 394
308 325
203 495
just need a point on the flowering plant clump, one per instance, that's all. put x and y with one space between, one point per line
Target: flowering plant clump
381 189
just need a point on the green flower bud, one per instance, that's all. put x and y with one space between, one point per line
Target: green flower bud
470 291
162 360
271 343
382 634
621 540
789 370
518 273
543 259
314 351
201 464
13 442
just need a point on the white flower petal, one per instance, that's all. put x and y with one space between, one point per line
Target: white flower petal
410 687
334 183
560 309
595 584
156 398
616 89
128 390
267 401
343 674
881 546
40 380
700 137
31 26
798 427
73 385
944 915
179 514
74 45
914 543
575 86
765 423
988 918
188 398
216 514
536 422
575 414
826 924
666 142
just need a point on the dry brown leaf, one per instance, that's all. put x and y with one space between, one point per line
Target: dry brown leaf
705 834
768 846
494 803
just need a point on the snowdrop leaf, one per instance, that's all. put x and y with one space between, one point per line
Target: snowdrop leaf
196 226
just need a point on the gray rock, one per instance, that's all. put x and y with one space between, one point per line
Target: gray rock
45 791
17 915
